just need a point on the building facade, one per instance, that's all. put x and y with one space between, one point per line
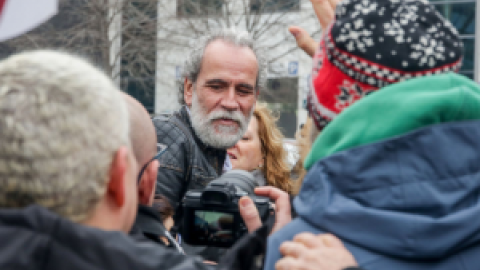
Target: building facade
183 21
290 73
463 15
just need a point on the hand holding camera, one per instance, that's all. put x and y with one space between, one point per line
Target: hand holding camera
227 208
212 216
281 207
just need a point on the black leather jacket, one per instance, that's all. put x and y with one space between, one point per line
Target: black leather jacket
37 239
187 163
148 226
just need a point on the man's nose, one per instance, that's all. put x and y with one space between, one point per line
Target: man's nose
229 100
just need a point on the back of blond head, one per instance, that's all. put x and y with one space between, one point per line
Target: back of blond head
61 122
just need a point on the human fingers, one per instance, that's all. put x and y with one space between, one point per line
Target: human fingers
288 263
309 240
304 40
283 213
280 197
292 249
329 240
324 11
334 3
249 214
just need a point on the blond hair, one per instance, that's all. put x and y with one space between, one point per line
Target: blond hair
62 120
276 169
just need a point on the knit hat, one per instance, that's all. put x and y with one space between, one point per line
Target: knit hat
374 43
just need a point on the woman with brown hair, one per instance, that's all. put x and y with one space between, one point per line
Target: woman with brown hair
261 151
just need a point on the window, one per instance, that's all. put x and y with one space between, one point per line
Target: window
137 76
142 90
186 8
462 15
281 96
265 6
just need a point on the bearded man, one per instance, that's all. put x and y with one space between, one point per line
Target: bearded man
222 79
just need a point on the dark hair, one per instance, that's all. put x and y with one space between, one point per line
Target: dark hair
164 208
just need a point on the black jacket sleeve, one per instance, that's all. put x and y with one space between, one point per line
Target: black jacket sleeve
173 172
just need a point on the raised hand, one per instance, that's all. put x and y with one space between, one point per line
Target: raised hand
325 12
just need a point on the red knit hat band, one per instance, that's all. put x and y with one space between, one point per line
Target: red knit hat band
334 91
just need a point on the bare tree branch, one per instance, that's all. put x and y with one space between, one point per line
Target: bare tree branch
82 27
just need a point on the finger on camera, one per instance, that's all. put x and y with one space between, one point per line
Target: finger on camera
275 194
267 191
249 213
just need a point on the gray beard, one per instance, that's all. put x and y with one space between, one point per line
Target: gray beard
217 135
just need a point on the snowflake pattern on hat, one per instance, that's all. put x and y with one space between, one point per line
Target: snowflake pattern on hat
355 36
428 51
388 40
374 43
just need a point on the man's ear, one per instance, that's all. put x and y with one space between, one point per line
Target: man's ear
257 93
188 91
148 183
117 178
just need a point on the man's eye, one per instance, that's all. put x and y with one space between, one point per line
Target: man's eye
215 86
245 91
245 138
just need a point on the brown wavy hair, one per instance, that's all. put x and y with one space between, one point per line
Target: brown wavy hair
275 169
305 137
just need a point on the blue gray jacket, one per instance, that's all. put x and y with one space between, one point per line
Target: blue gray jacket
410 202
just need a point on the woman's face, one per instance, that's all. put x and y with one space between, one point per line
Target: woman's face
247 153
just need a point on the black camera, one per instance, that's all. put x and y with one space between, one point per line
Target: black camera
211 216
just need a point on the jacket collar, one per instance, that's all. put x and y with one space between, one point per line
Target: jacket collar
149 221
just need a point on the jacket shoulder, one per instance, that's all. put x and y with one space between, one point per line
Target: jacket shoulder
170 129
175 134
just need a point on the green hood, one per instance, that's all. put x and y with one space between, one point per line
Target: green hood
397 109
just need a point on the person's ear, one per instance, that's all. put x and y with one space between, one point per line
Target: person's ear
188 91
116 187
148 183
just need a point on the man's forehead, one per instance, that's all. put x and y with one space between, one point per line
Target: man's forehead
227 44
225 49
229 64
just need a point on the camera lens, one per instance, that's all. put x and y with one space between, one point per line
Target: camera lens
241 179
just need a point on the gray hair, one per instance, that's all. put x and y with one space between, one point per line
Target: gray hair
62 120
193 63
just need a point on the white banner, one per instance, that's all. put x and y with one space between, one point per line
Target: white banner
20 16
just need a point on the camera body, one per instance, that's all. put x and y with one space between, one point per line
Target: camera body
211 216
